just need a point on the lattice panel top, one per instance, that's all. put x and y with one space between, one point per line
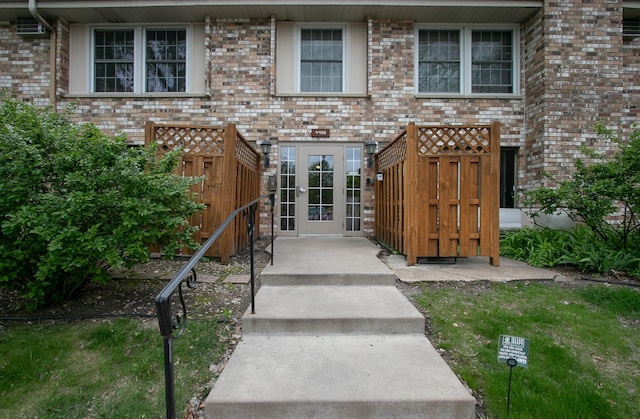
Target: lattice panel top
246 155
393 153
192 140
454 140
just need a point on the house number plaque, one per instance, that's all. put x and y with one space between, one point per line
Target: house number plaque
320 132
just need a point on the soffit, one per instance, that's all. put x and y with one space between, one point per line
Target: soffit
452 11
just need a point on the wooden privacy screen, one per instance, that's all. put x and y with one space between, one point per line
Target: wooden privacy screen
231 170
439 193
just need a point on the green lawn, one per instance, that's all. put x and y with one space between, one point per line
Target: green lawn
584 357
584 360
100 369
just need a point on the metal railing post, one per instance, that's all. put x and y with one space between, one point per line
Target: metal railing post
272 198
169 382
250 214
169 322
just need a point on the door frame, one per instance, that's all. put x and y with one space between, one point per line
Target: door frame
304 149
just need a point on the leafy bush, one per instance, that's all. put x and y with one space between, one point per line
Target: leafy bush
74 202
604 195
591 254
537 246
579 247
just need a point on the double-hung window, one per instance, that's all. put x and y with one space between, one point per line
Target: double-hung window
136 59
166 60
467 60
113 60
123 62
321 60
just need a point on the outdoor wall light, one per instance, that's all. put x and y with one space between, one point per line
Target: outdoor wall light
265 147
371 150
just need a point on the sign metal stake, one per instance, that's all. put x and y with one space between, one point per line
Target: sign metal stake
511 362
513 351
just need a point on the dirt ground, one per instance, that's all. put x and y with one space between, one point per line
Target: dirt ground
132 293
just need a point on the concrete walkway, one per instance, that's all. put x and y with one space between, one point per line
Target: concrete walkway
333 337
470 269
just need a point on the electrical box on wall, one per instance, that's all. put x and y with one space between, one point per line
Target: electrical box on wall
29 27
272 183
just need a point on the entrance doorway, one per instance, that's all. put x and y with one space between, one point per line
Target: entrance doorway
320 190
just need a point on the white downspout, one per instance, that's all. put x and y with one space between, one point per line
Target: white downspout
33 9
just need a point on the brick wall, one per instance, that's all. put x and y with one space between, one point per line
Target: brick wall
241 85
25 65
534 80
576 78
631 93
62 58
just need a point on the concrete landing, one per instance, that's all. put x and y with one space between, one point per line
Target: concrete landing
326 261
470 269
333 337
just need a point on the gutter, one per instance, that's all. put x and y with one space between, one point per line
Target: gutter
33 9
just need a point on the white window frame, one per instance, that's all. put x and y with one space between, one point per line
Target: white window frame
139 64
466 61
298 54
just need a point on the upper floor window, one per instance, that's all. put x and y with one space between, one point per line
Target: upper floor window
131 60
439 61
321 60
467 61
491 62
126 60
166 60
114 60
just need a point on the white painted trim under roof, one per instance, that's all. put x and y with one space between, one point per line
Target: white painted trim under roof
141 11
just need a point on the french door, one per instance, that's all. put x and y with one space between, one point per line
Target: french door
320 190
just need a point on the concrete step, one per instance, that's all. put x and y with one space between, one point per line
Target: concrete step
332 337
279 279
332 309
337 376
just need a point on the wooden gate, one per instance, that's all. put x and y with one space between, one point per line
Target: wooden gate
439 193
231 171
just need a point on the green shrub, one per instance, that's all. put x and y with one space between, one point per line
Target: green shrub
539 247
74 202
604 195
591 254
579 247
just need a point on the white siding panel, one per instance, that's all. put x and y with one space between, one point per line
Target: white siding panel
198 72
357 59
285 45
79 59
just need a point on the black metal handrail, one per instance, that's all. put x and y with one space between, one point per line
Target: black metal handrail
169 322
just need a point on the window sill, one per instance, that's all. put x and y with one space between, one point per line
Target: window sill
323 95
469 96
135 95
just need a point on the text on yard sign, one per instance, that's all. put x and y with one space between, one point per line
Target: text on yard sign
513 347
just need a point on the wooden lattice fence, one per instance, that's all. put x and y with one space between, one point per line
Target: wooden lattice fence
439 193
231 170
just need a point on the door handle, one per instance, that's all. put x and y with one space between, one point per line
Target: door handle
299 190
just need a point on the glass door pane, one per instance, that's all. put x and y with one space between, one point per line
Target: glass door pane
320 173
287 188
354 177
